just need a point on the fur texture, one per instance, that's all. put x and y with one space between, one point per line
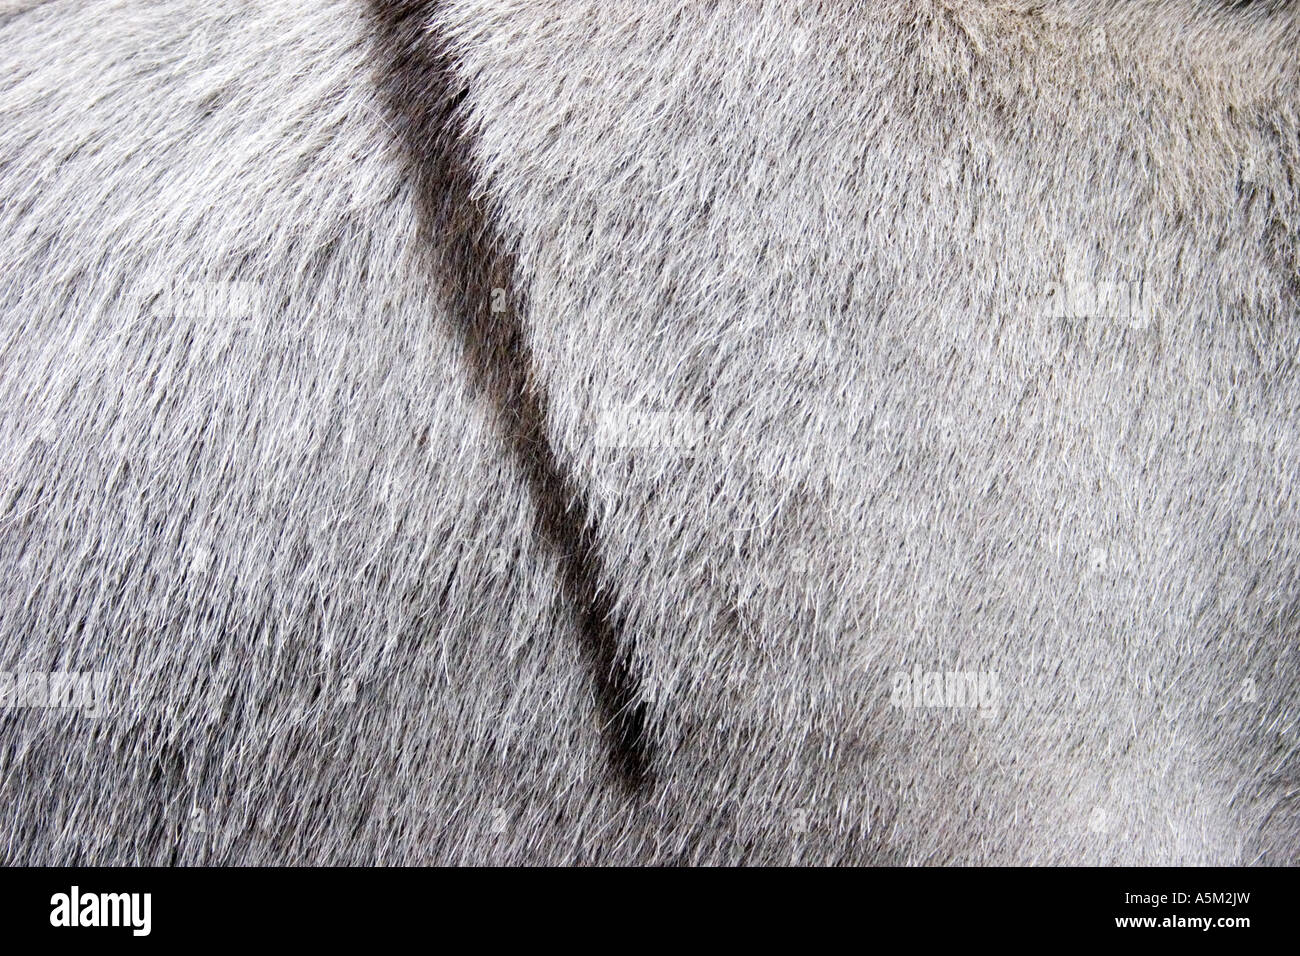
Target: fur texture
502 431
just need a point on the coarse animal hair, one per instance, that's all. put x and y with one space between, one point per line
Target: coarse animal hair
748 431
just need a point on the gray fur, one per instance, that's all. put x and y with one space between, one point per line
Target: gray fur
797 381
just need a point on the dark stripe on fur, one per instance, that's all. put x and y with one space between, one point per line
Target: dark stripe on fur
418 78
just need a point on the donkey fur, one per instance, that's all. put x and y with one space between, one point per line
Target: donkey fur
502 431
